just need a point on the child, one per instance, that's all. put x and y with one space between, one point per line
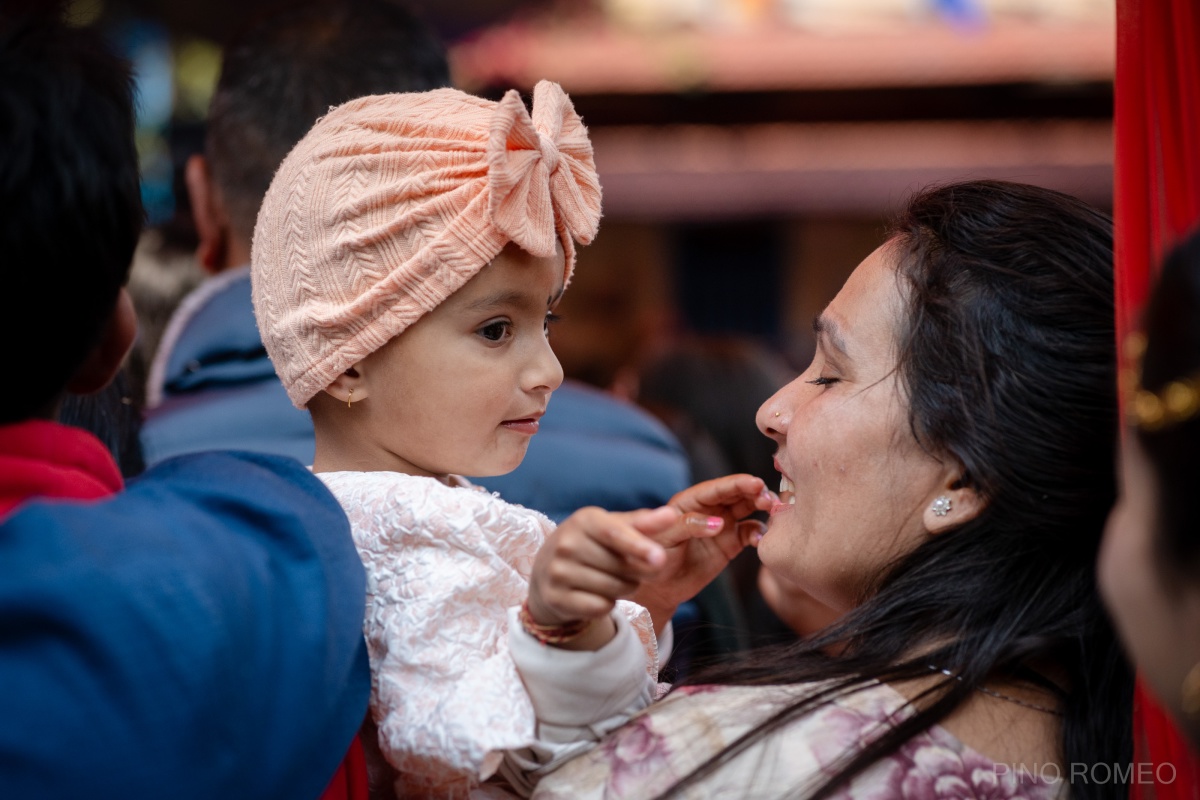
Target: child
406 262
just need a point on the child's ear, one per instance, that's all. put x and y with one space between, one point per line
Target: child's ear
956 503
349 387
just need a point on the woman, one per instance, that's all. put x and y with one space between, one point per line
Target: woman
947 467
1150 564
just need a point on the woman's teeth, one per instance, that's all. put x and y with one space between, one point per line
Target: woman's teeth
787 490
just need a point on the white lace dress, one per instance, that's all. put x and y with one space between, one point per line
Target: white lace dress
447 567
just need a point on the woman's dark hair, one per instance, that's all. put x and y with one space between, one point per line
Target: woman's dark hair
1173 353
1007 355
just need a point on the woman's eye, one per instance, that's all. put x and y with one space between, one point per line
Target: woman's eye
550 320
496 331
822 381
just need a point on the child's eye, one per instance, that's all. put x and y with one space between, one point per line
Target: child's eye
497 331
823 381
550 320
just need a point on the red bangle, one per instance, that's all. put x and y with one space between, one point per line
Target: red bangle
551 634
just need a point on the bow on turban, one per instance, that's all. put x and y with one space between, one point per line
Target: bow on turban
540 167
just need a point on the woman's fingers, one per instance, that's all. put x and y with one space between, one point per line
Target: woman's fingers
751 532
736 495
690 526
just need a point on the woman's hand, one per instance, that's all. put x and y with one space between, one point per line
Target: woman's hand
711 530
592 559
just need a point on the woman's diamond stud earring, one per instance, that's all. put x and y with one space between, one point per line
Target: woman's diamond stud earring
941 506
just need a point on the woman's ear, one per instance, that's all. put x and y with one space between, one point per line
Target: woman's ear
349 387
956 504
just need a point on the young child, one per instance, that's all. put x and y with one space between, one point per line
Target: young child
405 266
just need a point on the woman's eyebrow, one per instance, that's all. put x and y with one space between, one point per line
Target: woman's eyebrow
827 330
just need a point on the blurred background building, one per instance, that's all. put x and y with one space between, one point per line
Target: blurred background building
750 150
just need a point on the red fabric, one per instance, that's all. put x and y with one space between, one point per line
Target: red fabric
350 781
1157 128
39 458
1158 743
1157 178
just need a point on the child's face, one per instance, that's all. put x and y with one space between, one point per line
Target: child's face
462 390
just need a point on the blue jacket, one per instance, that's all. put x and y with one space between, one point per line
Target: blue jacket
219 390
212 386
196 636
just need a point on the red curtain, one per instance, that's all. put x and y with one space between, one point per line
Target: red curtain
1158 140
1157 178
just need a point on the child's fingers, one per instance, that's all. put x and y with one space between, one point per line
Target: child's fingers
593 581
573 605
575 559
614 532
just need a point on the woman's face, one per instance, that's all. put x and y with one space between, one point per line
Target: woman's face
855 483
1160 628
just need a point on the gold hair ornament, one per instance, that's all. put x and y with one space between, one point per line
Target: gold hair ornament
1189 693
1151 411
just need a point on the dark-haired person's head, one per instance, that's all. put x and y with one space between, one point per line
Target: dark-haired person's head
948 465
72 209
1150 565
285 70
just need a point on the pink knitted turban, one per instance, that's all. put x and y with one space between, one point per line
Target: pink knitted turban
392 202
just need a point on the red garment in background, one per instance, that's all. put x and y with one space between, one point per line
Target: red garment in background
1157 200
350 781
39 458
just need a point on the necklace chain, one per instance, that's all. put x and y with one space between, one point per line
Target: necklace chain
1000 695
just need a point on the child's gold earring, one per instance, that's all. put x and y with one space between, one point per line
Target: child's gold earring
349 398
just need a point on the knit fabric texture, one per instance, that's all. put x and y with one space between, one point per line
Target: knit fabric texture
392 202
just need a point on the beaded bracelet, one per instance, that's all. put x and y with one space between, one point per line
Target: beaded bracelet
551 634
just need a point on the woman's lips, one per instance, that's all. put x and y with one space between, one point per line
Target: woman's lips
787 494
528 425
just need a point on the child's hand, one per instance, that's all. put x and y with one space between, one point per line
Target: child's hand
712 530
590 561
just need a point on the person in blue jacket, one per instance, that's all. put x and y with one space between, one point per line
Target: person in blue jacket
198 634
